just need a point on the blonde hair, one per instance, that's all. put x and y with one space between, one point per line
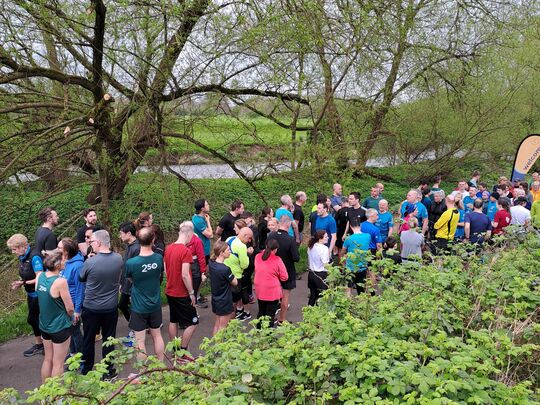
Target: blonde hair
17 240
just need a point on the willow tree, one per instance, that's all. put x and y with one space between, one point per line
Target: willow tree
86 83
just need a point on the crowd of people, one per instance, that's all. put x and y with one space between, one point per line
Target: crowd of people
76 287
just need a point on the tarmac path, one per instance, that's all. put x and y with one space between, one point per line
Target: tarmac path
23 373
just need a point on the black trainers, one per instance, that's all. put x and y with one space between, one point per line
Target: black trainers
36 349
243 315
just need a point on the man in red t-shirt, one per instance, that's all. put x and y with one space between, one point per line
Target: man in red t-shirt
179 287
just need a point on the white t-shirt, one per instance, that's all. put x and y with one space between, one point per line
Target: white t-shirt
318 256
519 214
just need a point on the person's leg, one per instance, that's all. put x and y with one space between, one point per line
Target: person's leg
271 308
284 305
313 291
140 342
247 279
123 305
159 344
108 329
46 367
187 335
33 318
262 310
197 285
90 328
360 281
60 350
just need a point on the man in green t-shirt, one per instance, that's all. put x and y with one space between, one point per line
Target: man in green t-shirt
145 272
373 200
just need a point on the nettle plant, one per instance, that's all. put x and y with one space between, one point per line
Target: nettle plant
462 329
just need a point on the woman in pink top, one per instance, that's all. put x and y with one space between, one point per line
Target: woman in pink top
269 272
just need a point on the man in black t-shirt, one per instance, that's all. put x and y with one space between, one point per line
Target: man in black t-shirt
44 238
355 210
298 214
90 217
225 228
288 252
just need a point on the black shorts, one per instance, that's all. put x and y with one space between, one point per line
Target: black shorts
222 308
359 277
237 292
139 322
182 312
290 284
57 337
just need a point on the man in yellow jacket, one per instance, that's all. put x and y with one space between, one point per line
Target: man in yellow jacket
535 214
446 225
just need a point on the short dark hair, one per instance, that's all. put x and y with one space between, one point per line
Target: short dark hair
321 198
354 222
246 215
424 181
520 200
146 236
87 211
70 246
426 191
128 227
390 242
199 205
356 194
45 213
478 203
236 204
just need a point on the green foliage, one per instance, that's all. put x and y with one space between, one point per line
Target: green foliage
455 331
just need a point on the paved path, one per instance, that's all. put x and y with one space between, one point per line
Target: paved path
24 373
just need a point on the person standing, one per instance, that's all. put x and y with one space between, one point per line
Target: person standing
412 241
285 209
202 225
56 309
491 207
179 288
270 272
73 263
446 225
30 266
101 274
90 218
335 199
436 209
327 223
503 218
288 252
238 262
45 239
145 272
520 215
318 257
535 214
225 227
373 200
370 228
198 266
132 246
267 214
477 224
355 250
298 213
221 281
414 197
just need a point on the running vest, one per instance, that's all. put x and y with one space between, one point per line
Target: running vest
26 271
52 312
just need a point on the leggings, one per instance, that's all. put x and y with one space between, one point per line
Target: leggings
33 314
267 308
123 305
316 284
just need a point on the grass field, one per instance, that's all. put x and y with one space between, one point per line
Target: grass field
225 133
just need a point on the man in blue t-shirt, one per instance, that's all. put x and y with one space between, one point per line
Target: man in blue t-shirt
30 267
468 200
385 221
477 224
370 228
202 226
491 207
414 197
355 249
285 209
326 222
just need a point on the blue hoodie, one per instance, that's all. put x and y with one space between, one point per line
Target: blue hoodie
71 274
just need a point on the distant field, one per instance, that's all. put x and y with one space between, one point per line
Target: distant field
223 132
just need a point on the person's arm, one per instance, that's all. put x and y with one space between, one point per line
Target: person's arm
346 230
282 270
495 221
234 282
83 273
186 278
391 227
332 242
441 221
79 294
243 258
467 230
208 230
295 254
294 225
63 290
199 251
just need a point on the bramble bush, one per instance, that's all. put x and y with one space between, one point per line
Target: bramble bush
462 329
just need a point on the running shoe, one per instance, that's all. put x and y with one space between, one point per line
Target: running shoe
244 315
35 349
